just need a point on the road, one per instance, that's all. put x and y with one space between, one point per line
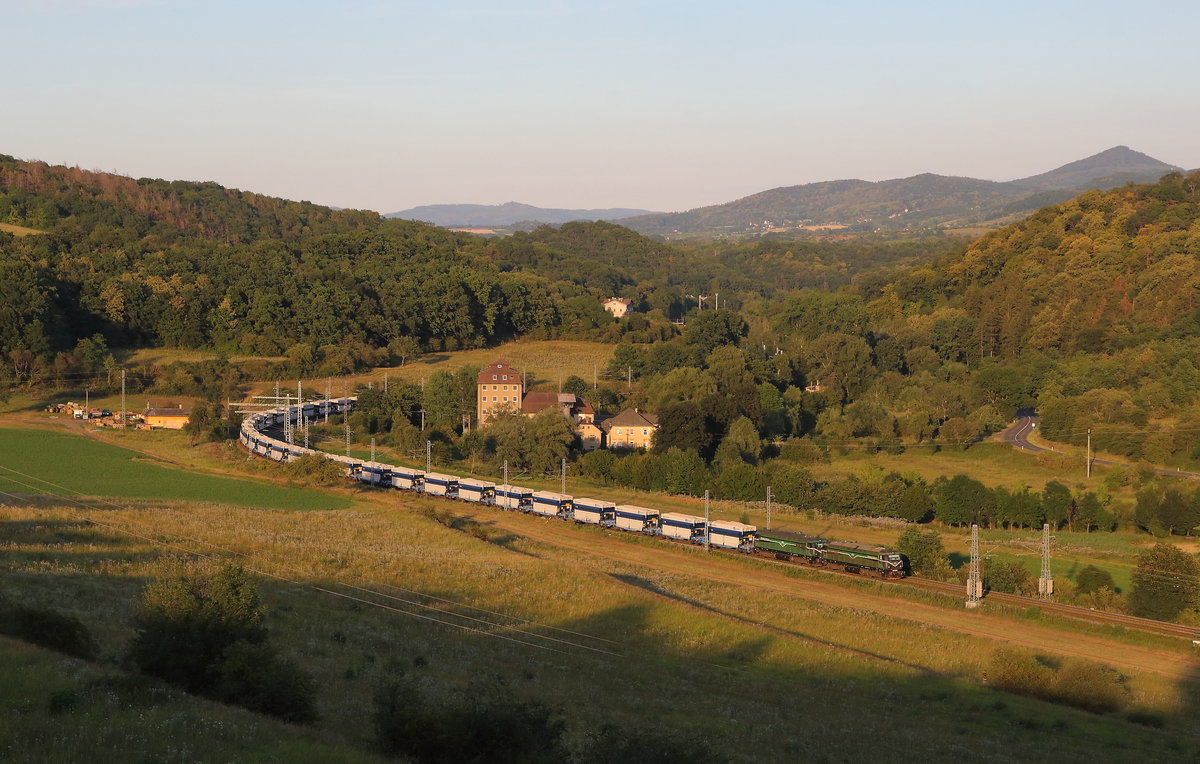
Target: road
1017 435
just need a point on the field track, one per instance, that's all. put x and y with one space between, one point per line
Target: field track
722 569
1070 611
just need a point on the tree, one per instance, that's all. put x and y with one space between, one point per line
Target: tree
1008 576
549 437
915 504
924 550
794 485
1092 579
710 329
738 482
1166 582
575 384
681 426
686 472
184 625
963 500
1056 503
685 384
740 444
1093 515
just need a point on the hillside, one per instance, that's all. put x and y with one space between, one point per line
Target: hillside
507 214
922 201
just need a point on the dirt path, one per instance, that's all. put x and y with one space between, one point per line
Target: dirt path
715 568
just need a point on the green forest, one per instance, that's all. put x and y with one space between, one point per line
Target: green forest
1087 311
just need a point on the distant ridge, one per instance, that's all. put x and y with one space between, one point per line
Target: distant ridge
507 214
920 202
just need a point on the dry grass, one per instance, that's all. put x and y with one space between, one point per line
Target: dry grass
734 663
18 230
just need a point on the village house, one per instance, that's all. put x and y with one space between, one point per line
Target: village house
501 390
618 306
630 429
166 418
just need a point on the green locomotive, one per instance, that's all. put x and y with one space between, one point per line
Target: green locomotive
852 557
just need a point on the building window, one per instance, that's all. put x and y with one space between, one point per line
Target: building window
645 432
493 377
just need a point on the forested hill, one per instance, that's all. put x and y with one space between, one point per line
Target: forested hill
921 202
77 202
1102 271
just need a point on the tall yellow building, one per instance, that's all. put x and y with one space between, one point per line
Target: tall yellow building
500 389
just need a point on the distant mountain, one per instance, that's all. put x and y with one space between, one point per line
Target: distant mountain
1115 167
504 215
922 201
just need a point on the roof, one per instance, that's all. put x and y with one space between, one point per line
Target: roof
501 370
621 300
630 418
171 412
569 403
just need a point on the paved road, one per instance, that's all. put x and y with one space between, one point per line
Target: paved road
1017 435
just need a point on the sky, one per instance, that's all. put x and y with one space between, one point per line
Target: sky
658 105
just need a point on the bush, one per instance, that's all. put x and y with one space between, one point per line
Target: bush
620 745
1078 683
254 677
1010 577
485 729
315 469
47 628
1092 579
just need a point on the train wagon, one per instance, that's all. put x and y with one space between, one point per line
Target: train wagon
348 463
513 497
676 525
855 558
375 473
594 511
550 503
731 535
437 484
480 491
796 547
407 478
629 517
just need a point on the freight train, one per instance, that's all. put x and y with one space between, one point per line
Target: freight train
724 534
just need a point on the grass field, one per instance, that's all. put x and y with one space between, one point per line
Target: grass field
545 361
66 464
764 677
17 230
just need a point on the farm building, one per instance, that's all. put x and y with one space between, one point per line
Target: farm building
618 306
630 429
167 419
501 390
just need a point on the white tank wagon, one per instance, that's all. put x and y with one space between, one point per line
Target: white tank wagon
376 473
437 484
629 517
731 535
479 491
407 478
676 525
513 497
594 511
550 503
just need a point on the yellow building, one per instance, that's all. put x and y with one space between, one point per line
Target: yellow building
630 429
167 419
499 389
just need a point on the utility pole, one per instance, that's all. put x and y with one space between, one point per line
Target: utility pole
428 456
707 538
385 383
1089 453
974 579
422 420
768 507
122 399
328 396
564 478
1046 581
346 421
287 419
506 472
372 449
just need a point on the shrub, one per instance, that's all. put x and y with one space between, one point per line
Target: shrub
1078 683
620 745
254 677
1092 579
496 729
47 628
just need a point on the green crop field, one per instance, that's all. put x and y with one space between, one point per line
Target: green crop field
72 464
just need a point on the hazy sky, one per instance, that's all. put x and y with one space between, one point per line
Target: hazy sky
657 104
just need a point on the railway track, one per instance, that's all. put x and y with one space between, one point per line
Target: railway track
1069 611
